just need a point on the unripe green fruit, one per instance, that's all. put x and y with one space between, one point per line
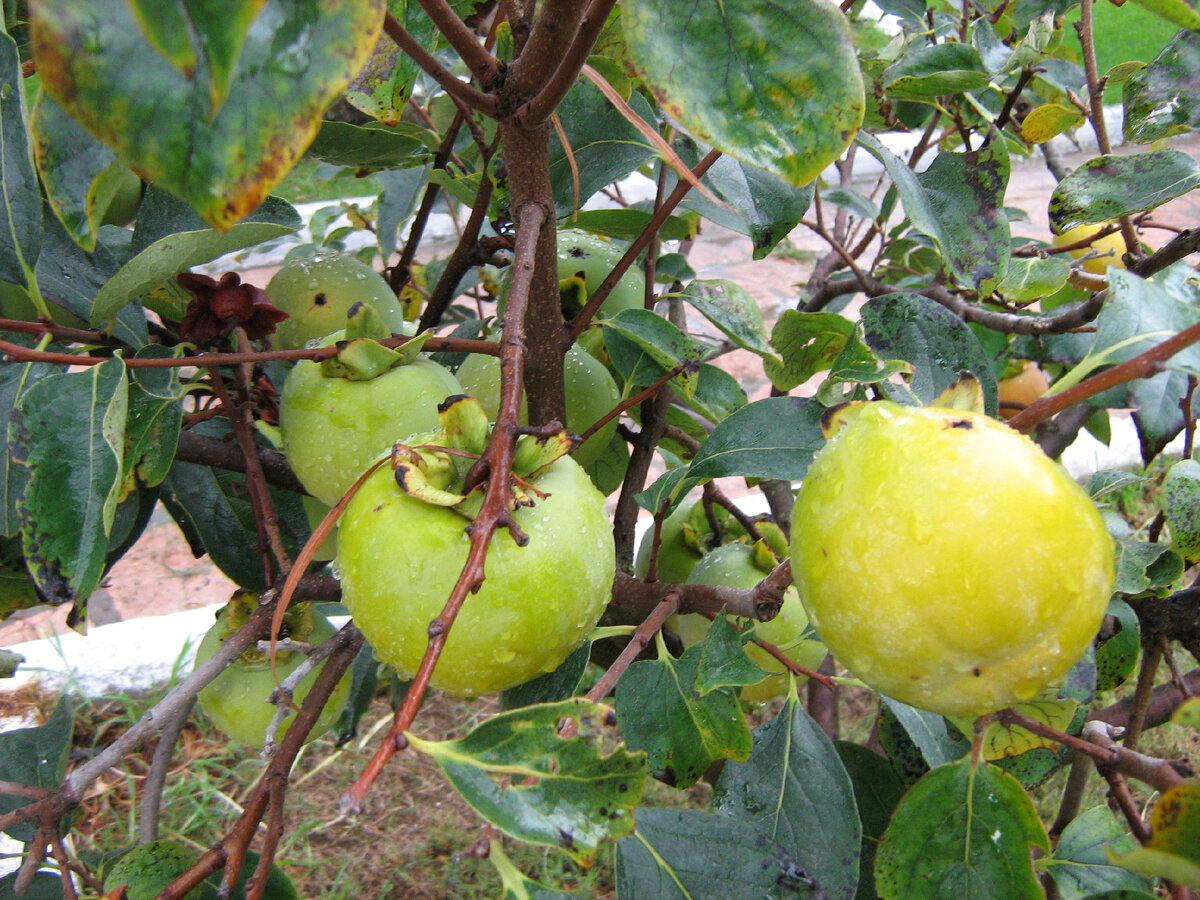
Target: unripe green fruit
238 700
595 256
333 428
590 390
732 565
946 560
146 870
400 557
317 292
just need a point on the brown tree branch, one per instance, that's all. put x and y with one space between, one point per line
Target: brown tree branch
484 67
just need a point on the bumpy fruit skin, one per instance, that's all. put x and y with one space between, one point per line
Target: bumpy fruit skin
591 394
334 428
317 292
1111 248
946 561
148 868
1022 389
400 557
732 565
237 700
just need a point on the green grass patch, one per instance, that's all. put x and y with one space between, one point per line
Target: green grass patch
1122 34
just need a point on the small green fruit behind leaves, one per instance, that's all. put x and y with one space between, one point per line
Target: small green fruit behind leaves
1181 504
147 869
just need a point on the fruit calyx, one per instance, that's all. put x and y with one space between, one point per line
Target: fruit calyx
298 623
360 355
434 467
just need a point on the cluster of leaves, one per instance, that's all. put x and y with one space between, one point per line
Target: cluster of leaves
109 406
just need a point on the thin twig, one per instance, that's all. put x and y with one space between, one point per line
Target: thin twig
150 805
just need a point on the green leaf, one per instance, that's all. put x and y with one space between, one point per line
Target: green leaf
1109 187
1032 279
606 146
773 83
685 854
1177 12
682 734
877 791
21 221
665 487
644 347
1048 121
758 204
1081 863
15 379
1106 481
552 686
77 170
382 87
724 662
927 731
219 30
939 344
629 223
223 158
1117 654
1181 505
1142 565
371 146
1173 851
857 363
732 309
155 419
364 682
213 511
518 774
160 261
807 343
795 790
36 757
69 431
1164 98
516 885
1157 412
772 438
963 831
851 200
928 72
1188 713
717 395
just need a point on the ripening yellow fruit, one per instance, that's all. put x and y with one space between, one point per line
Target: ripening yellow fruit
1109 249
946 561
1018 392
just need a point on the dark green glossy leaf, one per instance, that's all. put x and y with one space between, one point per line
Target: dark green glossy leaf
44 887
717 394
1117 654
364 682
35 757
1109 187
159 262
949 68
758 204
877 791
370 146
1157 414
520 775
962 831
732 309
772 438
1142 565
928 732
685 854
807 343
776 84
297 56
401 190
795 790
644 347
1164 98
15 379
663 489
682 733
21 219
553 686
628 224
606 147
155 418
856 362
939 344
214 512
724 662
69 432
1081 864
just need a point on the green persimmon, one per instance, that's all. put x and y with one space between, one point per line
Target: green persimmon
591 394
400 557
317 293
946 560
147 869
333 428
736 565
237 701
